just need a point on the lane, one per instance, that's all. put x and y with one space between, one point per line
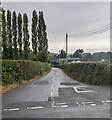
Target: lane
57 95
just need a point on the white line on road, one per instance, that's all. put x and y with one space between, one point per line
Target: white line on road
87 102
60 103
92 104
84 91
52 104
57 106
77 103
51 94
33 108
107 101
103 101
63 106
11 109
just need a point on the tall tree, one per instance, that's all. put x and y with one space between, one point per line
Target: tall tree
26 36
0 32
20 52
34 31
4 36
9 35
78 53
42 36
62 54
14 31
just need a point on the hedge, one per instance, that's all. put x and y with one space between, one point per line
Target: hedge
90 72
17 70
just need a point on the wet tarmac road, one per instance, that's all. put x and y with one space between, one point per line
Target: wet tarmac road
57 96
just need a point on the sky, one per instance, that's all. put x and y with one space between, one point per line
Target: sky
72 18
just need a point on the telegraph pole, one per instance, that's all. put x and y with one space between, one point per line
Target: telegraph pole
66 46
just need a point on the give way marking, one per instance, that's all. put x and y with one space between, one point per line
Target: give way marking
83 90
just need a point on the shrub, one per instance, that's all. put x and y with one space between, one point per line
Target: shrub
89 72
17 70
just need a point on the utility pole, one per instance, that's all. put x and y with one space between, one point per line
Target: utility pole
59 55
66 46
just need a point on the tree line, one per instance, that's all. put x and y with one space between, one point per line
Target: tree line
79 53
16 43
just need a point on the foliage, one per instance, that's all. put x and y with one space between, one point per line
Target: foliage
78 53
42 56
26 36
34 32
101 55
42 35
15 36
9 35
17 70
62 54
97 73
14 32
20 53
42 38
4 36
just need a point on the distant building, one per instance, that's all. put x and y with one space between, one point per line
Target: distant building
69 59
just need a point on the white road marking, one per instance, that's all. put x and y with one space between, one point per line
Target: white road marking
51 94
33 108
60 103
11 109
40 107
103 101
108 101
53 106
75 88
92 104
87 102
5 109
63 106
77 103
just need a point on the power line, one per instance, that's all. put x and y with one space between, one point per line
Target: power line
95 31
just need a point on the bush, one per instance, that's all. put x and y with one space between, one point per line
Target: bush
17 70
89 72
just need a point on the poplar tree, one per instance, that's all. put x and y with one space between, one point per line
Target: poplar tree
26 36
4 36
9 35
34 31
14 31
0 32
42 37
20 53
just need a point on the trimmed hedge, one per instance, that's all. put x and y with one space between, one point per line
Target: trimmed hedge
17 70
89 72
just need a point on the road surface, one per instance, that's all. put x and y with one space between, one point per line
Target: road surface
57 96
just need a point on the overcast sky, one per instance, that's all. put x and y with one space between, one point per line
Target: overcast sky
72 18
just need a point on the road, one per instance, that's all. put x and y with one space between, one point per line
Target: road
57 96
